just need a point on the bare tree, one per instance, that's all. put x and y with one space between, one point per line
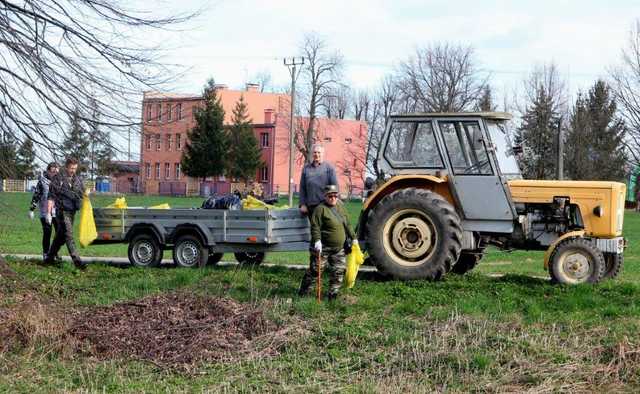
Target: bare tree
61 55
441 78
263 78
626 84
361 104
321 74
336 102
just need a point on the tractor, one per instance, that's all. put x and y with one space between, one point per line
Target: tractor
451 187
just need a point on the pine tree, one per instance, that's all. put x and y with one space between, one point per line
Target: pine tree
8 157
607 134
26 161
76 143
245 155
485 101
538 135
578 154
101 150
208 142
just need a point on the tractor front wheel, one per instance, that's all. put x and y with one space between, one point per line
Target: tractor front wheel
576 260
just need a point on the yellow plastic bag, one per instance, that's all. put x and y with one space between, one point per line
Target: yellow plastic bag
354 261
161 206
120 203
87 229
253 203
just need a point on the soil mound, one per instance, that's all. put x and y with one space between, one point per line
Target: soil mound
179 328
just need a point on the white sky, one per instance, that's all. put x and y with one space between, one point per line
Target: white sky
235 39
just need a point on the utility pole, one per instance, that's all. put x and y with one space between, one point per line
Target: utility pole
560 166
291 64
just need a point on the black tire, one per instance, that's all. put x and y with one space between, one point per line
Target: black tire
189 252
576 260
467 261
249 258
613 265
214 258
414 234
145 251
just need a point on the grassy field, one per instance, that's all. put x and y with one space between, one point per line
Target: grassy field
513 333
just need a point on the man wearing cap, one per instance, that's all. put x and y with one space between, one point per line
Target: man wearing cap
330 234
315 176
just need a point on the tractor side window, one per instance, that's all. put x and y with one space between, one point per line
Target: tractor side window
466 149
412 144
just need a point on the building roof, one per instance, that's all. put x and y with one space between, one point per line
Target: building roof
126 166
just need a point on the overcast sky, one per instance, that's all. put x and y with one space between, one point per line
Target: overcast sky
235 39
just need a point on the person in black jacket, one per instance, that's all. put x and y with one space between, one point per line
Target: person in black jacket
66 191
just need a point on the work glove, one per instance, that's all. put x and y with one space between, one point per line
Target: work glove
47 218
318 246
31 215
354 242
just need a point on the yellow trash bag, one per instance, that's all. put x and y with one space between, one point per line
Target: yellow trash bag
354 261
253 203
87 230
120 203
161 206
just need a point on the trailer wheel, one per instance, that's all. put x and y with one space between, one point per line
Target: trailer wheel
467 261
613 265
189 252
576 260
414 234
145 251
249 258
214 258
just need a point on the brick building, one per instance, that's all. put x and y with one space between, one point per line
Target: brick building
167 117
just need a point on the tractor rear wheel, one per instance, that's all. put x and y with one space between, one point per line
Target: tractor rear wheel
576 260
214 258
414 234
467 261
249 258
613 265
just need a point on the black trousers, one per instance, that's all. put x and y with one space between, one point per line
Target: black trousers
46 235
64 235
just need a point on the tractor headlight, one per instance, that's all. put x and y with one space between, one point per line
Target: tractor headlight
620 213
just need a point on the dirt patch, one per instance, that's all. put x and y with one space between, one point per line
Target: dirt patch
180 328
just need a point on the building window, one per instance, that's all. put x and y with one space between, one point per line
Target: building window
148 141
158 142
147 170
157 170
177 166
159 112
327 139
179 111
347 172
264 174
264 140
167 170
168 145
355 162
169 112
347 140
194 110
148 112
178 142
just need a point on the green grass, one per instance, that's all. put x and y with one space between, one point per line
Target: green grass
465 333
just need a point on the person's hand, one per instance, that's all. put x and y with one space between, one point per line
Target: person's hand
303 209
318 246
354 242
31 215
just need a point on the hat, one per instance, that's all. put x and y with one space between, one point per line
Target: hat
330 189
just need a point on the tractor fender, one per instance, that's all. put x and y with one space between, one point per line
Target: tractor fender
437 184
552 247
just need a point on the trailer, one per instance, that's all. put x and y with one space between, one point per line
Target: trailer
199 236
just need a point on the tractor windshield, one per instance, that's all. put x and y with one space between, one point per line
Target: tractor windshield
412 145
504 152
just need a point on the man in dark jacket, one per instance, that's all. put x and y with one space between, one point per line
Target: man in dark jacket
66 191
330 233
41 202
315 176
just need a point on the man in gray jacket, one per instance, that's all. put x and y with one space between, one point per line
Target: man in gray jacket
315 176
41 200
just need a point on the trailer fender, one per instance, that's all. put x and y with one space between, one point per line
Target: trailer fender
552 247
196 229
146 228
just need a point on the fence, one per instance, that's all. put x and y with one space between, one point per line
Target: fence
29 185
